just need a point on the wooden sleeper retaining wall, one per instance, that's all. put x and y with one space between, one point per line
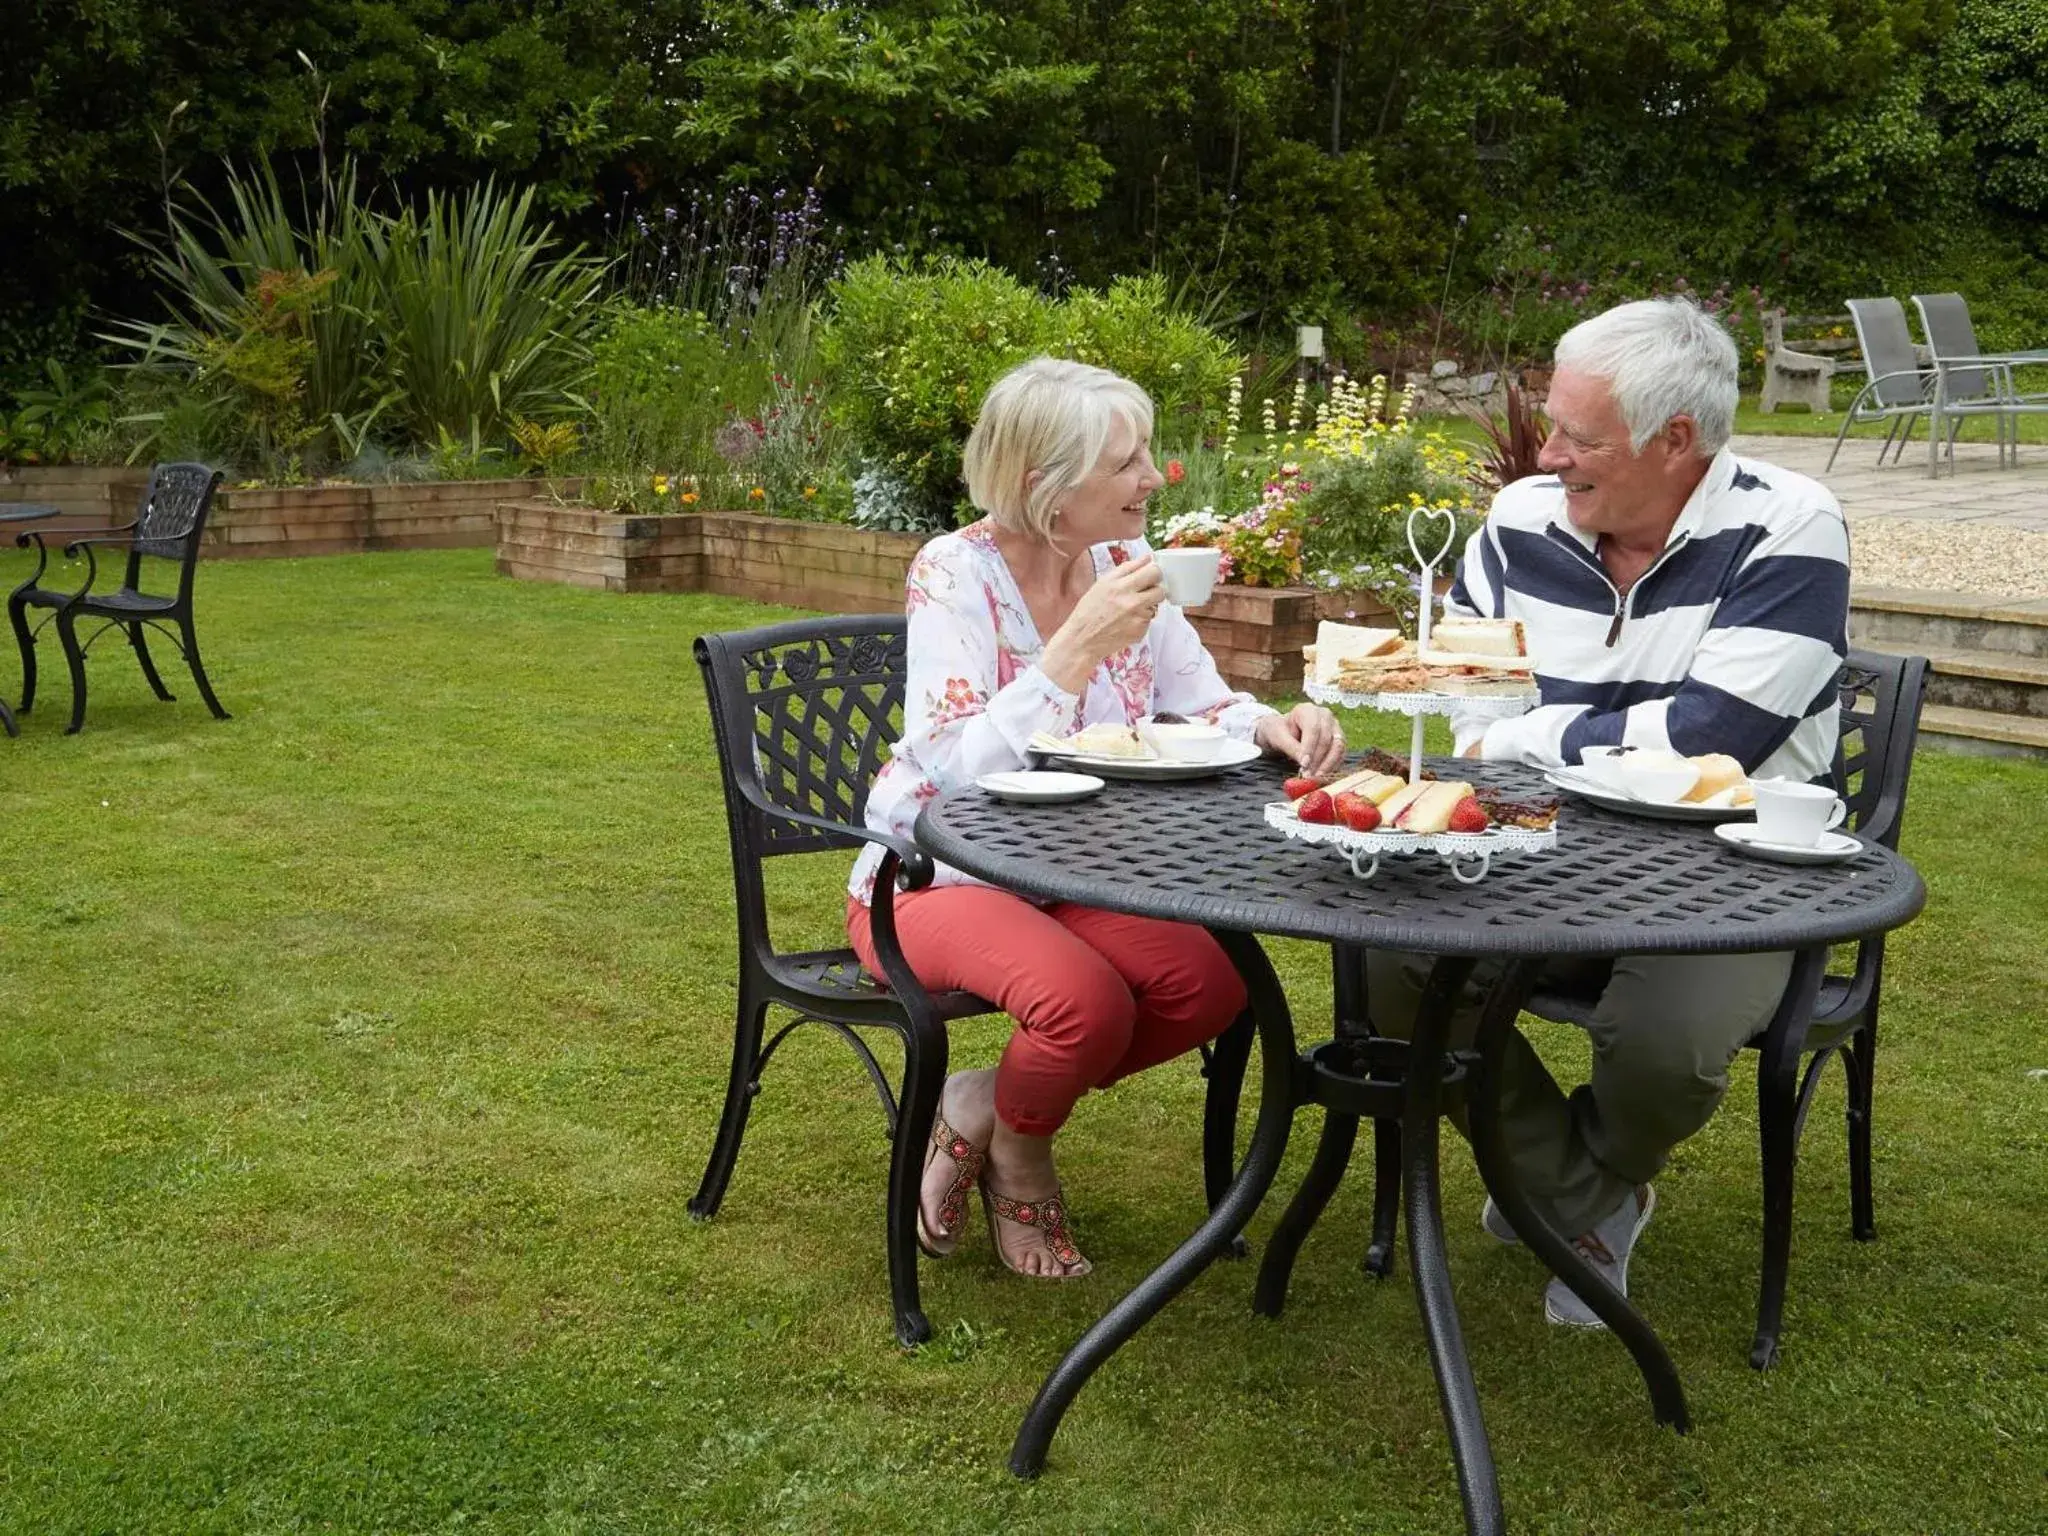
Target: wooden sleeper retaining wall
1254 633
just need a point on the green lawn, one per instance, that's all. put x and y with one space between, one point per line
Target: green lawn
360 1054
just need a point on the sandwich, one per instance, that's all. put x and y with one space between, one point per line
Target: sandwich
1467 679
1479 637
1339 645
1397 673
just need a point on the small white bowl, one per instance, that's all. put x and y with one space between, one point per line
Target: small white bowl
1657 778
1603 766
1183 743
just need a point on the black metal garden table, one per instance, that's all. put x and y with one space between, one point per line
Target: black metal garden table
1615 885
20 512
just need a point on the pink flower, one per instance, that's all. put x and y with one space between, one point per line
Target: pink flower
1175 471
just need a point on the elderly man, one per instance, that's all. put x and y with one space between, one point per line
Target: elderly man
1673 596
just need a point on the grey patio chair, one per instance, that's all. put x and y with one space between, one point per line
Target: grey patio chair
1970 381
1899 387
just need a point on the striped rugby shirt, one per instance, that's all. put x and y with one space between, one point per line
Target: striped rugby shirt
1729 643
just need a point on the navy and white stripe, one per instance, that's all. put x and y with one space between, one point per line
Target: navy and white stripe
1729 643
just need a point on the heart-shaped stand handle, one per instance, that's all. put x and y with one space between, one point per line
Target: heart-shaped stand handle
1418 524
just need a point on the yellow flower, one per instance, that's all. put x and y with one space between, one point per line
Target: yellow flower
757 494
661 485
810 492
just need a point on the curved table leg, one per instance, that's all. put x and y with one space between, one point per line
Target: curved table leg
1667 1395
1421 1110
1211 1239
1325 1173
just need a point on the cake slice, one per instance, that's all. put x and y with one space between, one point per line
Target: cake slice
1370 782
1337 644
1427 807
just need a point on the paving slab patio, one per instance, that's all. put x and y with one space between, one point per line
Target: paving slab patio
1979 528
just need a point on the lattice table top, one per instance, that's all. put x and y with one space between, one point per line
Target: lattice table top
1200 852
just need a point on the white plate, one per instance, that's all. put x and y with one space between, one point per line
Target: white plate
1833 847
1041 788
1235 754
1657 810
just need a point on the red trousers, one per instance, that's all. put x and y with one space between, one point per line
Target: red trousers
1096 995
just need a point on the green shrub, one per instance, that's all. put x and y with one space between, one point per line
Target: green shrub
911 350
661 385
300 337
1133 328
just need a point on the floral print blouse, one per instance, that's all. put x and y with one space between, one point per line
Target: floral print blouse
975 693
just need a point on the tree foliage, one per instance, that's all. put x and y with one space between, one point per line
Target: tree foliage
1293 155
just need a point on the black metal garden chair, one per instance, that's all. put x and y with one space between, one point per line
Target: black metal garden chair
168 523
803 715
1880 698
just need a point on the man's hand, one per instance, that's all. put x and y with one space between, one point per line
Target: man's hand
1307 733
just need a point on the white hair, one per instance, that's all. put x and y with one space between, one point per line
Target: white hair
1661 358
1052 416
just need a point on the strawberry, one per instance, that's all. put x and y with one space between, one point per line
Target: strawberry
1317 807
1296 788
1358 813
1467 816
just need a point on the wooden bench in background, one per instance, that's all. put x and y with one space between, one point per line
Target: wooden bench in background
1799 371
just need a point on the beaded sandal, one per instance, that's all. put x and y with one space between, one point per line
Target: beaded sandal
967 1164
1049 1216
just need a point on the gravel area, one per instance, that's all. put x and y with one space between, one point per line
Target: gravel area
1945 556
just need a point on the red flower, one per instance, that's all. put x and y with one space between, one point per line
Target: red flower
1175 471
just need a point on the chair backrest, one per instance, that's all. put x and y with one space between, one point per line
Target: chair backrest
1945 321
804 714
171 516
1887 344
1880 696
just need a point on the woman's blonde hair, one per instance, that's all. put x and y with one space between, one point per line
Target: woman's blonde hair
1052 416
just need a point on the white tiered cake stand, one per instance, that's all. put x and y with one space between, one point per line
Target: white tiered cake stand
1468 854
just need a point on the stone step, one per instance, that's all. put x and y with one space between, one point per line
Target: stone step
1995 681
1983 732
1911 622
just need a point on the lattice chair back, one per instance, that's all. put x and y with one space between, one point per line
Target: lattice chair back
804 715
172 515
1880 697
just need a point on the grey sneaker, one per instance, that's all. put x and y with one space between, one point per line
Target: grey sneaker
1496 1224
1608 1246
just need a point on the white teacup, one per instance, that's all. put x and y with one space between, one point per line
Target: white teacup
1189 574
1790 812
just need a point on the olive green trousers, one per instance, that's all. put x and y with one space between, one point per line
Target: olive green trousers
1664 1032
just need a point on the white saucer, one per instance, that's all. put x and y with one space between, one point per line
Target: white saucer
1833 847
1040 788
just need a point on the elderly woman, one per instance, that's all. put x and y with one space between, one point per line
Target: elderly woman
1049 615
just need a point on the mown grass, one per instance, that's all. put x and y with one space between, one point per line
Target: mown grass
359 1056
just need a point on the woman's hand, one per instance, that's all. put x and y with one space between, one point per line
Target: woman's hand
1307 733
1112 614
